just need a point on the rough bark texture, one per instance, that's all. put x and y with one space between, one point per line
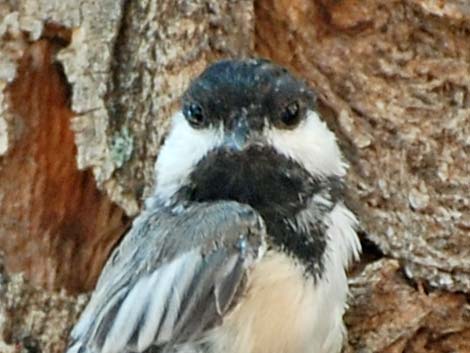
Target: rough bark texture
54 223
388 314
397 76
393 78
33 320
143 54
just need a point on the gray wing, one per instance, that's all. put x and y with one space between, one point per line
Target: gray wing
175 275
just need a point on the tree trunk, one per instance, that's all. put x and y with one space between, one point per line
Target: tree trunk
86 92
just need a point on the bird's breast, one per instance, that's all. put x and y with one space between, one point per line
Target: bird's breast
281 312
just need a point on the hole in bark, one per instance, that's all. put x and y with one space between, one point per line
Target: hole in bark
370 251
55 225
56 34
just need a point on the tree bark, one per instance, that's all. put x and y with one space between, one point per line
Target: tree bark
86 92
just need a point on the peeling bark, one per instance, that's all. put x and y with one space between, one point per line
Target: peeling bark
54 223
143 58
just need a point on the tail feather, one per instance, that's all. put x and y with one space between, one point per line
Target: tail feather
77 347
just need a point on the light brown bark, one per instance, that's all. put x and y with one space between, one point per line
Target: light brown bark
55 225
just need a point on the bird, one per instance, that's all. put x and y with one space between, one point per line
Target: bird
244 244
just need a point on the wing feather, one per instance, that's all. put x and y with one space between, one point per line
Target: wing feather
173 277
227 284
146 334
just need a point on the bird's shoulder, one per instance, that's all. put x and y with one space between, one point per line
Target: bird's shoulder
176 264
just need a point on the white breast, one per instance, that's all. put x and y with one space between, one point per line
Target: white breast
284 311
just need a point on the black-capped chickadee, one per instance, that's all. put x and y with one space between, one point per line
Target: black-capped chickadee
244 244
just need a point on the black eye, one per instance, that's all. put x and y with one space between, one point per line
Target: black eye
291 115
194 114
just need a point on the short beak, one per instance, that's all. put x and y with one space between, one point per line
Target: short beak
237 139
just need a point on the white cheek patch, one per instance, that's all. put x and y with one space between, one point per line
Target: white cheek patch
182 150
312 145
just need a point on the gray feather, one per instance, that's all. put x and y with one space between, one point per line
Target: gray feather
174 276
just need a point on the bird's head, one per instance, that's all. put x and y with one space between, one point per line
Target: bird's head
248 131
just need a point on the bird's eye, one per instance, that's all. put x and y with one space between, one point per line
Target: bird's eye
194 114
291 115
